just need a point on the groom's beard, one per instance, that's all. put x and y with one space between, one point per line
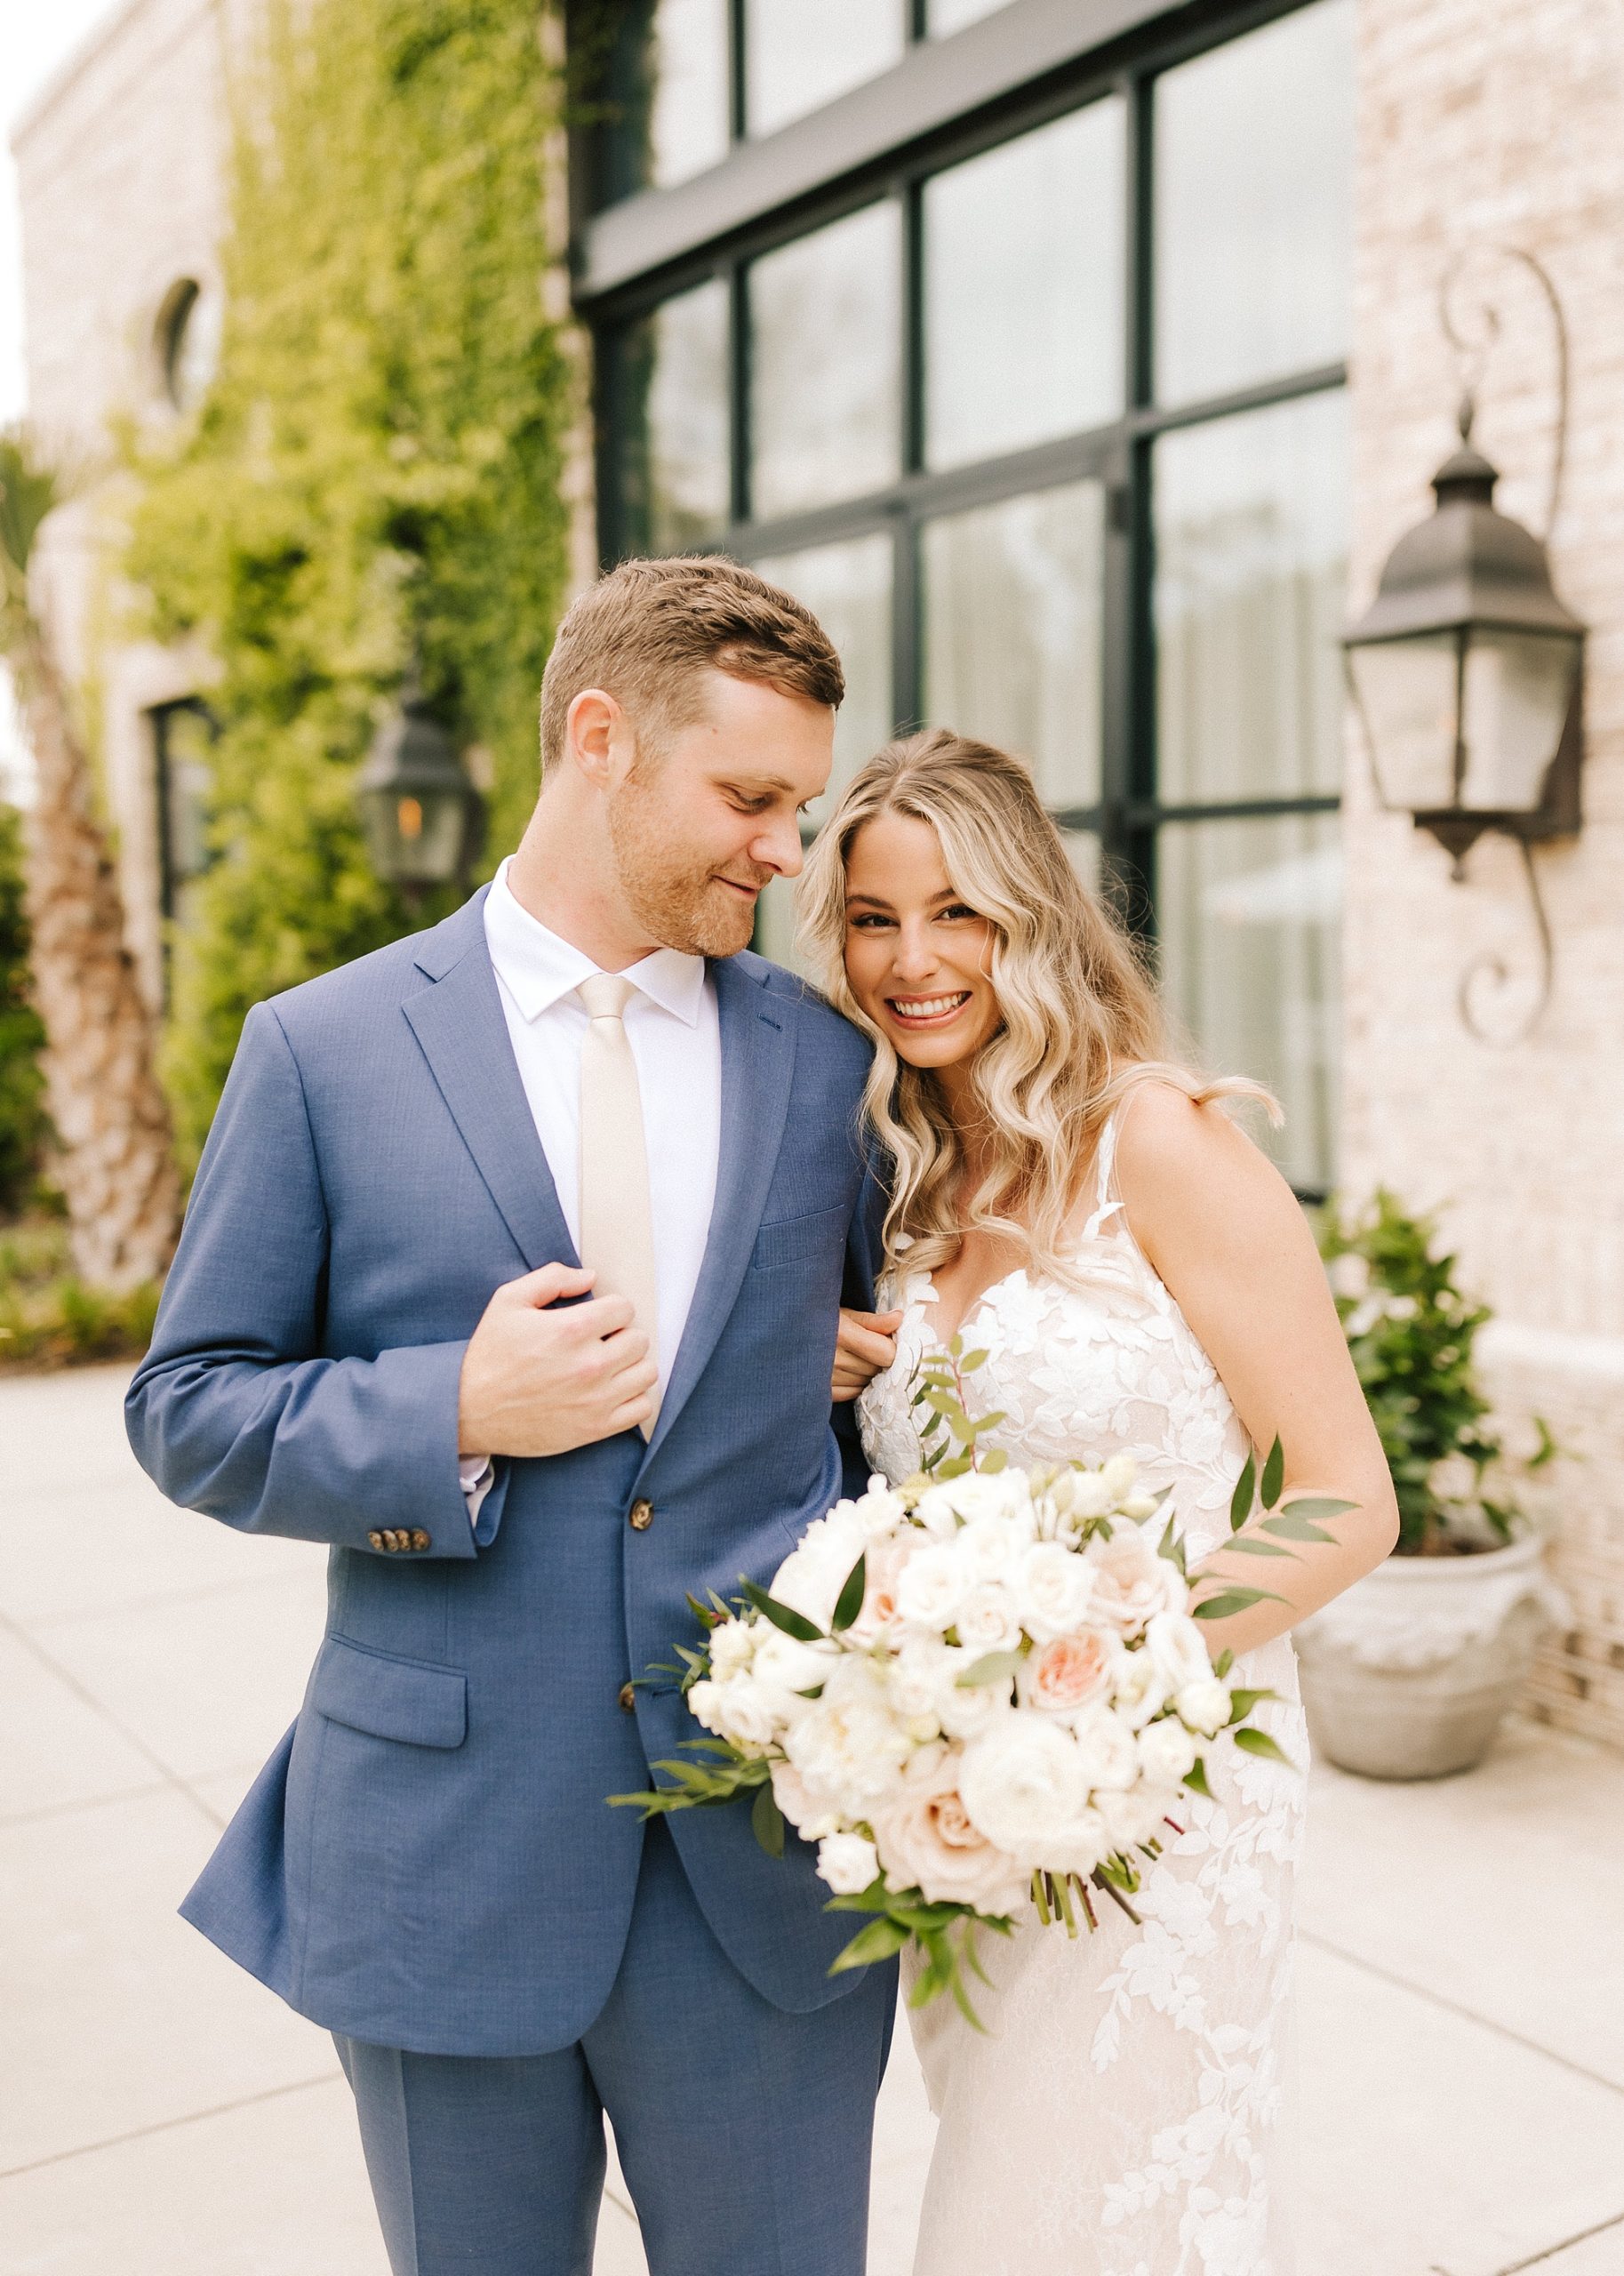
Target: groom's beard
673 902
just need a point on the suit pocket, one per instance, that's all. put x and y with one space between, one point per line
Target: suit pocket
793 1239
410 1700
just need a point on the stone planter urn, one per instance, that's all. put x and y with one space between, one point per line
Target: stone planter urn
1408 1674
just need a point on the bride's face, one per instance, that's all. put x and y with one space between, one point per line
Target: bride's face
917 957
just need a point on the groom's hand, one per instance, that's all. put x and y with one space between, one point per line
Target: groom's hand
539 1380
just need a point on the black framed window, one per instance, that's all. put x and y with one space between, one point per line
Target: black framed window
1045 415
183 734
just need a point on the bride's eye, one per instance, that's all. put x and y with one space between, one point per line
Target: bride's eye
869 921
959 908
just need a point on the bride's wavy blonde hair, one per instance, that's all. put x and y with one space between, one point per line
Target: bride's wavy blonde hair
1081 1020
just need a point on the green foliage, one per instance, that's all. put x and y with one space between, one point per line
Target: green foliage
376 470
48 1318
1411 1331
22 1087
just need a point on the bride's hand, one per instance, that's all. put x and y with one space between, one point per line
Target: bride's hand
867 1343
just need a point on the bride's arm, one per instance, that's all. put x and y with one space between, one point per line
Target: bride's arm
1228 1238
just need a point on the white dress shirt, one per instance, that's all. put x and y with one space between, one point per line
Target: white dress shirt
676 1040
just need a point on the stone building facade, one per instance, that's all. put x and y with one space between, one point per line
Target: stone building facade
1475 126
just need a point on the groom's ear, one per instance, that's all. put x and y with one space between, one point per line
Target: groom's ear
599 737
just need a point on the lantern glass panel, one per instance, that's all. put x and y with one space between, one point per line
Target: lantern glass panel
1516 689
1406 692
415 837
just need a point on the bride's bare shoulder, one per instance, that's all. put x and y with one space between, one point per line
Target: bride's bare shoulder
1182 1164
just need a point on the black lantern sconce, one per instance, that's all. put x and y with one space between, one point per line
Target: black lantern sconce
422 816
1467 670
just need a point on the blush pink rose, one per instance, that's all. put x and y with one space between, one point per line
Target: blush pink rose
1131 1583
883 1565
926 1841
1067 1674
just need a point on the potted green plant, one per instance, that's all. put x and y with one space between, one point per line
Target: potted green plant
1408 1674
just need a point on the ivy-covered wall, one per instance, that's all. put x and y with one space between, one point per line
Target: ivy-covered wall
377 468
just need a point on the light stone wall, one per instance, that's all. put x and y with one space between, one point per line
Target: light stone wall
119 167
1485 123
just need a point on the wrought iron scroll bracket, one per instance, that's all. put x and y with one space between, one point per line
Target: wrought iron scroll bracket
1473 350
1491 975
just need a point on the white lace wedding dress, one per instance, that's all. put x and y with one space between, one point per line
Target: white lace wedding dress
1124 2114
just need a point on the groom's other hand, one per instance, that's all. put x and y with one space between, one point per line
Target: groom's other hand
542 1374
866 1344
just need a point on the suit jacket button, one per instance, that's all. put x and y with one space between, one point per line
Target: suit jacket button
376 1539
628 1697
420 1539
642 1516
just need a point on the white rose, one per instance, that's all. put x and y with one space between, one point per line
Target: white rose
931 1588
749 1716
1079 1844
732 1645
1166 1752
917 1677
927 1842
1052 1589
1205 1706
988 1620
989 1547
1116 1479
1131 1584
848 1742
880 1510
966 1711
705 1705
1133 1818
847 1862
1019 1782
988 1494
1179 1648
1139 1689
1078 1494
811 1814
1106 1746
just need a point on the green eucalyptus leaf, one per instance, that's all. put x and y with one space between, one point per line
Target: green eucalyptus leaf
782 1615
1229 1601
994 1459
972 1360
1317 1505
1248 1545
1292 1527
767 1822
850 1602
1195 1779
878 1941
1274 1475
1260 1743
1242 1702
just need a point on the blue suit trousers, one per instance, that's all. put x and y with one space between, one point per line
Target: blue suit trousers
744 2132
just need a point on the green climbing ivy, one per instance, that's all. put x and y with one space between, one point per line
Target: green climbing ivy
376 470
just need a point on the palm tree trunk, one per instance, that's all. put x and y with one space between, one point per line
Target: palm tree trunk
116 1166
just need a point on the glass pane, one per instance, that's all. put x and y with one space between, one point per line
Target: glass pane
1406 693
798 58
1251 558
1023 289
947 16
1514 706
1011 625
847 587
675 382
1253 176
689 106
826 334
1249 916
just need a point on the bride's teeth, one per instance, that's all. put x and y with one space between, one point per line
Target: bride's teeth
927 1006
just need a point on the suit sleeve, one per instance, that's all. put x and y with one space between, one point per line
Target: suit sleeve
232 1412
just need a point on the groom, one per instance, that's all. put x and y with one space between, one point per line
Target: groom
512 1272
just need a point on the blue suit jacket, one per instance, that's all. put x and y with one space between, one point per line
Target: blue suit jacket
427 1861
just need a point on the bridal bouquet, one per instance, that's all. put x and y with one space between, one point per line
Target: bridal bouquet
979 1691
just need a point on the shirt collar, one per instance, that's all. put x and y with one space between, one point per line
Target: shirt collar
539 968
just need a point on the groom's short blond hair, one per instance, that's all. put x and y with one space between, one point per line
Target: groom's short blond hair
647 631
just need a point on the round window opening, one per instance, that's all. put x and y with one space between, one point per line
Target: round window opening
187 338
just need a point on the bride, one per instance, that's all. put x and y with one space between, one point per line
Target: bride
1143 1282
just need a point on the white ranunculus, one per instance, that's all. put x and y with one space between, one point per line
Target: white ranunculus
811 1578
932 1586
1179 1648
1205 1706
1166 1751
1019 1780
849 1743
917 1678
1133 1818
848 1863
966 1711
1107 1748
732 1645
1131 1583
988 1494
1139 1688
1053 1588
988 1619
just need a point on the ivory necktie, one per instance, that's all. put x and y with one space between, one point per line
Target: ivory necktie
617 1234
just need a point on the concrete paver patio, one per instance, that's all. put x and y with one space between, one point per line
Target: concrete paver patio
1461 2088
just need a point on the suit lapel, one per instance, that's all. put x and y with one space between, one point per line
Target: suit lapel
460 1024
757 1063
